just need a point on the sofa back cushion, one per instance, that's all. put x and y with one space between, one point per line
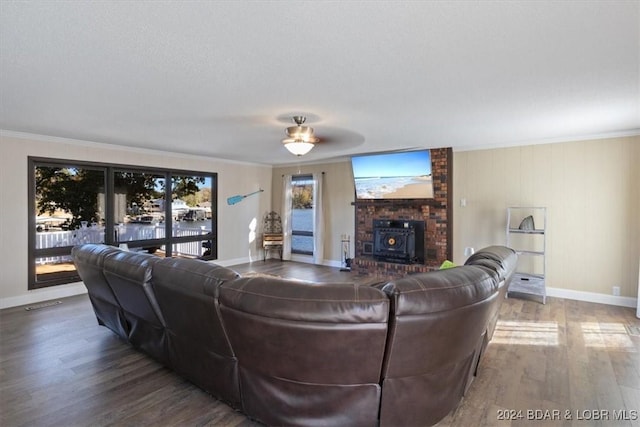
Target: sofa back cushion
129 275
187 293
501 261
308 353
89 262
436 330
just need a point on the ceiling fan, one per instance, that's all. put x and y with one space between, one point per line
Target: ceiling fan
300 139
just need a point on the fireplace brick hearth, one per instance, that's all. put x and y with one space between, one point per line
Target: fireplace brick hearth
435 213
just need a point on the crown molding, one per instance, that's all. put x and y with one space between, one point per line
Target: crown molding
608 135
114 147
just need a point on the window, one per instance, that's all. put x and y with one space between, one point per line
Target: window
74 202
302 215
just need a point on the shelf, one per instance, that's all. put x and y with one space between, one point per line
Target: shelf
517 230
527 285
521 252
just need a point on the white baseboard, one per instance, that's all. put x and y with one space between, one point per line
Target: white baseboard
332 263
46 294
235 261
309 260
592 297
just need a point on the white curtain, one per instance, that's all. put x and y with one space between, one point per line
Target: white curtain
287 193
318 219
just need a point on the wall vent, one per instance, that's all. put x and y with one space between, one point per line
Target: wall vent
43 305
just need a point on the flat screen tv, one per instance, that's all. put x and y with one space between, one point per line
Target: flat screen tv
397 175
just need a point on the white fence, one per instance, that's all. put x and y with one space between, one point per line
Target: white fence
126 233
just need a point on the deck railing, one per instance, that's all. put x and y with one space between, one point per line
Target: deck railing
126 233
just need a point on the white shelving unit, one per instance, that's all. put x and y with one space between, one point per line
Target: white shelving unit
527 236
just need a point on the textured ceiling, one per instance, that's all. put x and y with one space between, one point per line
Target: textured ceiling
222 79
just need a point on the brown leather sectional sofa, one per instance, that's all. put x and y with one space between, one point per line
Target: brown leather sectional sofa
290 352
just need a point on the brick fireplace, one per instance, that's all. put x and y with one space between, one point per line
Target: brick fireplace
435 213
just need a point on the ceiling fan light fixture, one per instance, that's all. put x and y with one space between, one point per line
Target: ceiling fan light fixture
300 138
297 147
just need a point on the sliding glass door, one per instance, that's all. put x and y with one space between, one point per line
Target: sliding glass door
77 202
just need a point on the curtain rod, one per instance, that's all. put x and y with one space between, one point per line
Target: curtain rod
305 173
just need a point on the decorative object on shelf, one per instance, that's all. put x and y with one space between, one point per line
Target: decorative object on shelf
238 198
530 244
527 223
272 236
300 138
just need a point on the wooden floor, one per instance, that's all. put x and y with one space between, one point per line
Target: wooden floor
573 361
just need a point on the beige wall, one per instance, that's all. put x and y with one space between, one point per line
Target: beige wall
236 243
590 189
338 195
